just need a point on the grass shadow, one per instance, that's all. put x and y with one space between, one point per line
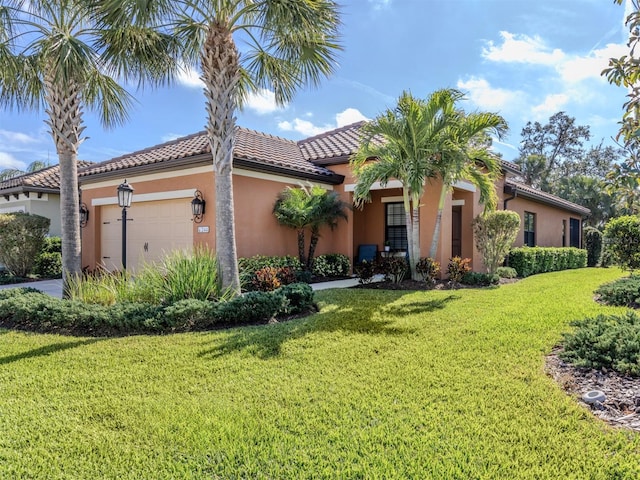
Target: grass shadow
46 350
420 306
359 317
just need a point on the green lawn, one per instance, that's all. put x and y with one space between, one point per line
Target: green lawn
379 384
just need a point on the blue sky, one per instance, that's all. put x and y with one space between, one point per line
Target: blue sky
525 60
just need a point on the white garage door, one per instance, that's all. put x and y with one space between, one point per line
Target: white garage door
153 229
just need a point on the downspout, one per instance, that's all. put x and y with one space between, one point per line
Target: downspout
514 192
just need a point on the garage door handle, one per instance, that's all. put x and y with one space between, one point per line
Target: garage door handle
106 257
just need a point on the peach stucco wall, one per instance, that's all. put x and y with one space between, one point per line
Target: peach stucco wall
548 222
257 231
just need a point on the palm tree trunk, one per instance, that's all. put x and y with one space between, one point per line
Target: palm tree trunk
409 219
315 236
414 256
220 73
436 229
65 121
301 257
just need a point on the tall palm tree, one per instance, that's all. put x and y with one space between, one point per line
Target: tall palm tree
285 44
8 173
63 55
464 158
402 143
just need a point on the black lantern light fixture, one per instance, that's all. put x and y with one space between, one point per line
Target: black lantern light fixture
84 215
197 207
125 194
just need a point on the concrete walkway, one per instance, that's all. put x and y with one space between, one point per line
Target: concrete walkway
54 287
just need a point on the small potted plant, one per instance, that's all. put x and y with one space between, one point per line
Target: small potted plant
387 246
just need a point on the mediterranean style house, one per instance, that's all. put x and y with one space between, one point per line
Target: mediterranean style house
166 178
37 193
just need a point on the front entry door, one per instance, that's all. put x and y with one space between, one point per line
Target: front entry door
456 231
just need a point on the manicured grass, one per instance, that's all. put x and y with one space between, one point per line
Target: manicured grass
442 384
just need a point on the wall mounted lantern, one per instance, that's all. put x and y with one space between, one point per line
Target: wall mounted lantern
197 207
84 215
125 193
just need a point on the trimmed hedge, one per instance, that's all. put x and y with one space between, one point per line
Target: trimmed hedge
30 309
624 292
22 236
593 244
480 279
331 265
532 260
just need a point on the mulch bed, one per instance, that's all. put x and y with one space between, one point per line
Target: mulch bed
409 284
621 407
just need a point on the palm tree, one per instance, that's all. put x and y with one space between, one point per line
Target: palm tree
464 158
294 210
328 208
63 55
8 173
285 45
403 143
309 207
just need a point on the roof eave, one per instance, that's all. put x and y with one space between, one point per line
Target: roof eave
513 189
333 179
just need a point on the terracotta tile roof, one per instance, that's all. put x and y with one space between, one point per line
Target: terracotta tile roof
526 191
253 149
46 179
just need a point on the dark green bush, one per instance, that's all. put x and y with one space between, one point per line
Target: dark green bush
331 265
624 292
190 313
365 271
605 341
251 307
48 265
593 245
480 279
507 272
532 260
52 245
394 269
299 298
623 235
429 269
21 238
304 276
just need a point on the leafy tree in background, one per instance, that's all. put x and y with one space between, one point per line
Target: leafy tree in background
558 142
63 56
286 44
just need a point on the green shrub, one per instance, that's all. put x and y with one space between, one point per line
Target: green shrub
248 266
606 257
299 296
624 292
480 279
605 341
331 265
21 238
365 271
251 307
507 272
394 269
457 268
48 265
532 260
429 269
52 245
623 234
494 234
593 245
190 313
304 276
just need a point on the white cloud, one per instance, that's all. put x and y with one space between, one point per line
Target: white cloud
171 136
262 102
518 48
552 103
17 137
190 78
380 4
486 97
308 129
578 68
7 161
